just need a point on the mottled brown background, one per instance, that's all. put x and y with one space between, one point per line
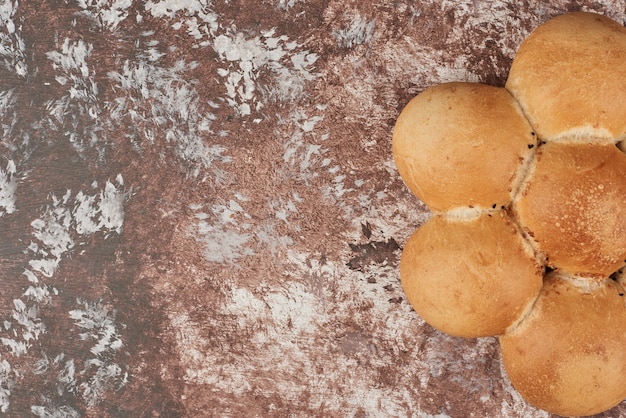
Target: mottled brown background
200 215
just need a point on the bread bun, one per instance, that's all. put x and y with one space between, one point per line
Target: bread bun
462 144
568 356
520 178
569 76
574 207
470 277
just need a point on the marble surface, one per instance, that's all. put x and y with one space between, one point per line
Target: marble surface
200 215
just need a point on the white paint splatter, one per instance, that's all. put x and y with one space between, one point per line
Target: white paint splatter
287 4
8 185
12 45
223 229
388 219
52 411
293 309
7 381
201 21
67 376
111 209
270 239
456 71
71 60
53 235
246 58
162 104
17 348
222 245
282 208
65 385
304 149
84 215
108 13
77 111
228 232
100 374
37 294
107 377
169 8
336 189
65 223
359 31
99 325
27 319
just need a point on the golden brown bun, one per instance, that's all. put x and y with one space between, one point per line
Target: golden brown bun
569 76
568 356
574 207
470 278
461 144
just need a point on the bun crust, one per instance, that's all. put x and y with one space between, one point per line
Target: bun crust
461 144
574 207
569 77
470 278
568 355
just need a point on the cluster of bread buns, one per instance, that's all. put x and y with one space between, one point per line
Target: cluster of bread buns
527 188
